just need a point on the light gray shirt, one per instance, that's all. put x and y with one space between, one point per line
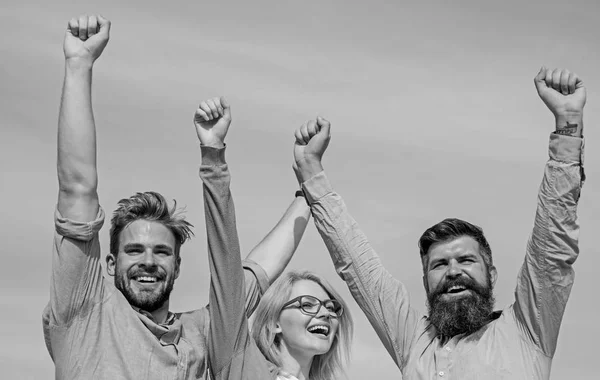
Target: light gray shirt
92 332
520 342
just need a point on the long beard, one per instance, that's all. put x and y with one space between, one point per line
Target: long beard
144 299
463 315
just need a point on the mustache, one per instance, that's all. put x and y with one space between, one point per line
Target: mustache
466 282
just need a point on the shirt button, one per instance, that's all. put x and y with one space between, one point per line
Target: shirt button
441 373
448 349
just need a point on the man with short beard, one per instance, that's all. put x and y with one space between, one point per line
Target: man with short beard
462 337
94 329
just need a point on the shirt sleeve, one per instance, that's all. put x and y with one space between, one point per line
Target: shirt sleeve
76 279
383 299
232 353
546 277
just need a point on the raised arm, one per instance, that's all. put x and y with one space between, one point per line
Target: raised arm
229 336
76 269
383 299
276 249
546 277
85 39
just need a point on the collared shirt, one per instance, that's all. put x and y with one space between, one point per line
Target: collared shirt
92 332
520 341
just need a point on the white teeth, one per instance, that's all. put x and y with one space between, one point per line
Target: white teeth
456 287
319 329
146 279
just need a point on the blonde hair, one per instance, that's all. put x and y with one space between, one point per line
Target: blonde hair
266 316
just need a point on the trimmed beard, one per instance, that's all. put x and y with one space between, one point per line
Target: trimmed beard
145 300
465 314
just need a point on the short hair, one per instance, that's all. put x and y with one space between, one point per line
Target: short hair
450 229
324 367
149 206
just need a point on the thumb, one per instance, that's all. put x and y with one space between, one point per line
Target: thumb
539 79
226 108
104 25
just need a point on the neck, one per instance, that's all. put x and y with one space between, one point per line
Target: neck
160 314
295 362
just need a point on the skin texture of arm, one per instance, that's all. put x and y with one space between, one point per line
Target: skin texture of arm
276 249
76 271
85 40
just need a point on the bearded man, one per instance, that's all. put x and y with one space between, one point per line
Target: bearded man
100 329
463 337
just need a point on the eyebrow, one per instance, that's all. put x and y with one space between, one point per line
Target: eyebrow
131 246
163 246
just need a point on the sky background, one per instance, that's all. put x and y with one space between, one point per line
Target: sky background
433 109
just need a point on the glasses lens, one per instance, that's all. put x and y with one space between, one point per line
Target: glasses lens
310 304
334 307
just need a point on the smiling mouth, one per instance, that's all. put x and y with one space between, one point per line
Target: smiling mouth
457 290
321 330
145 280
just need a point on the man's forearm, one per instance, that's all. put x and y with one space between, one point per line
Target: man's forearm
275 251
76 159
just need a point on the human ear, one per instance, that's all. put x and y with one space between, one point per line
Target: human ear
111 261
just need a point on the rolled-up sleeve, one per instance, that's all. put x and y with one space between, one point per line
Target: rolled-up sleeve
76 278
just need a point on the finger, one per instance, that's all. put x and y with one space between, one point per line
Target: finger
311 128
226 108
564 82
299 138
539 78
73 27
83 25
205 107
578 82
218 105
304 133
571 83
213 108
201 116
92 26
556 79
104 25
548 78
324 126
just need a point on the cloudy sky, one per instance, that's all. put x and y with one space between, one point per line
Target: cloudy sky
433 110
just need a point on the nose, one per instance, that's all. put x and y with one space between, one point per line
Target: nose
148 258
323 313
454 269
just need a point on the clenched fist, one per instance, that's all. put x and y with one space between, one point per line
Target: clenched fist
86 38
312 139
564 94
212 120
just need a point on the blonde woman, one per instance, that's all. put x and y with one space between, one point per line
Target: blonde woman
303 328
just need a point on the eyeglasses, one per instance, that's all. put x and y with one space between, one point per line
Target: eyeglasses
310 305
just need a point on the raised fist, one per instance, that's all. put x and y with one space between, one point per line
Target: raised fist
561 90
312 139
212 120
86 37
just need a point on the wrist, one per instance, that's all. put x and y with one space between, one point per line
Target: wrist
78 63
569 124
308 169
